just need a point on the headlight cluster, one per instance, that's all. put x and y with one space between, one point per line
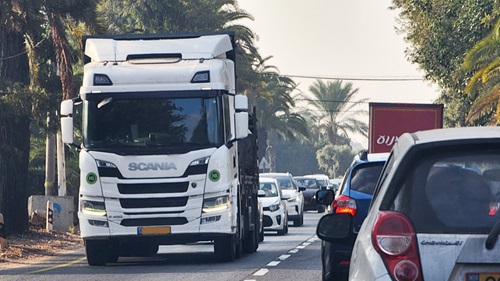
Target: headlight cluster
201 161
95 208
215 204
292 199
274 207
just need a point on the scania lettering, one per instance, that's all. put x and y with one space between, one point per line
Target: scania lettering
168 151
151 166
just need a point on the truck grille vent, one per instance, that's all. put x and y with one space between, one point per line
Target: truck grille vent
153 221
144 188
154 202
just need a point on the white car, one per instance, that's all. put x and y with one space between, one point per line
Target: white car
275 206
295 197
435 212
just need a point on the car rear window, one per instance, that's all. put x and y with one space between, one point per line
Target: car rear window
452 193
307 183
269 189
285 183
364 177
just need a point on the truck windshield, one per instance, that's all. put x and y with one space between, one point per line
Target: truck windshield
115 122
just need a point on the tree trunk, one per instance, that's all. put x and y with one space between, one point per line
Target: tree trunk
50 161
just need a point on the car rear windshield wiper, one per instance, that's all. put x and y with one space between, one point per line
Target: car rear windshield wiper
493 236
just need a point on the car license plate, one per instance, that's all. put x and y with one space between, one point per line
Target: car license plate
156 230
493 276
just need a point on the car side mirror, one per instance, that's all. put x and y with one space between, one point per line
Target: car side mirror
325 196
301 188
334 227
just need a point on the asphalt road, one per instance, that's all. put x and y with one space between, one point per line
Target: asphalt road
295 256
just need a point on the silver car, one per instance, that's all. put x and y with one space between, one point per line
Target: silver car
435 212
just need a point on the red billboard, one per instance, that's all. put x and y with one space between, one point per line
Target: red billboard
389 120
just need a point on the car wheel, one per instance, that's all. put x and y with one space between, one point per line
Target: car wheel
321 209
299 221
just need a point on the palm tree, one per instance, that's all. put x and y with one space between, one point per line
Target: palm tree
335 104
275 116
484 60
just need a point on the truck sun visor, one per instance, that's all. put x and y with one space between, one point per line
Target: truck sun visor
153 58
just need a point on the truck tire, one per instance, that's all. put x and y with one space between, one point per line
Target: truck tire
225 248
251 242
97 252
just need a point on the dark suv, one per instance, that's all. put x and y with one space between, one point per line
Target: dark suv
353 197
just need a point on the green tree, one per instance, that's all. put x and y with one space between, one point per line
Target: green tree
484 60
35 42
296 157
275 116
440 33
335 159
335 105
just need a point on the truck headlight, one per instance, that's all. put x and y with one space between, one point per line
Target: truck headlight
200 161
215 204
274 207
95 208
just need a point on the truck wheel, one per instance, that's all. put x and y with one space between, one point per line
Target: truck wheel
97 252
225 248
251 242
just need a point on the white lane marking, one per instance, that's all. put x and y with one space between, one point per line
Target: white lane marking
273 263
261 272
283 257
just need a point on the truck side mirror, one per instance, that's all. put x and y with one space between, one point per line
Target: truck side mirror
67 121
241 103
241 119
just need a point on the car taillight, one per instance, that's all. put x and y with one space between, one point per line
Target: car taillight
393 236
345 205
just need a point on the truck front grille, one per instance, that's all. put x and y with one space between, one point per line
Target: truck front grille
154 202
144 188
153 221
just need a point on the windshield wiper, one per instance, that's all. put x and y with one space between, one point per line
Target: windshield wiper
493 236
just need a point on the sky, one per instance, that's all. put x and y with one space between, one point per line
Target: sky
339 39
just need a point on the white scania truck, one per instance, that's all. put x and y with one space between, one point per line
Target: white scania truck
168 152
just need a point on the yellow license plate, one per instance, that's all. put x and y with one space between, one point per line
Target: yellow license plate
491 276
153 230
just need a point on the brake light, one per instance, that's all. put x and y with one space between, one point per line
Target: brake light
393 236
345 205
